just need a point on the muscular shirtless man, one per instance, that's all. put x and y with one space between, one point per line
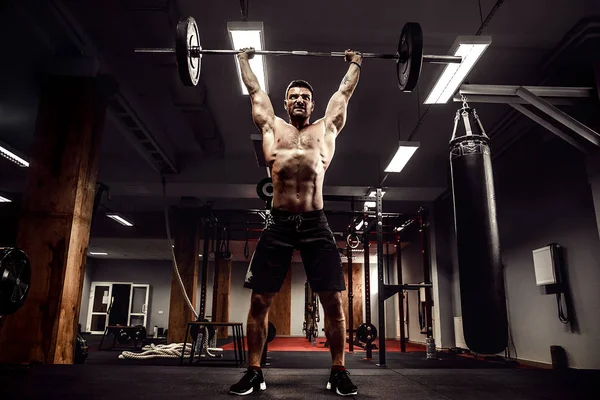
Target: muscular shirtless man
298 153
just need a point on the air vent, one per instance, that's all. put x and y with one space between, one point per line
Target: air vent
149 146
125 118
129 122
117 108
138 134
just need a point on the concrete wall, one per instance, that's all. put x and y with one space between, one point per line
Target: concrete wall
85 293
543 196
412 271
550 203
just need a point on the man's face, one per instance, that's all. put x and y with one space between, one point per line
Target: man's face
299 102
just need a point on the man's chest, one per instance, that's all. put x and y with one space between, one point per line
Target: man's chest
293 139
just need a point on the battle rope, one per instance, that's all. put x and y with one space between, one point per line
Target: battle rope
161 351
174 350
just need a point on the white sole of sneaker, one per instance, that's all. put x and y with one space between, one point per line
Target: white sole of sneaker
263 386
338 392
347 394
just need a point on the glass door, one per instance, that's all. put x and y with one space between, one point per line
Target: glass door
100 295
138 307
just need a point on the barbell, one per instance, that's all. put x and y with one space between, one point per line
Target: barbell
409 56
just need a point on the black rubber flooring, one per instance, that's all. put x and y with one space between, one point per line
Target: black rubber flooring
296 375
154 382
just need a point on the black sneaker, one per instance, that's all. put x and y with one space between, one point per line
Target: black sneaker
339 381
252 380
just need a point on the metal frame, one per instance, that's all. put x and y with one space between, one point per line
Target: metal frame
543 99
388 290
380 282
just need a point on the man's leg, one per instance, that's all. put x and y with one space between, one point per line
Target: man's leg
335 325
323 267
335 330
257 326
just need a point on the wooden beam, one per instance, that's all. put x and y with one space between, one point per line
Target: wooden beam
224 289
357 291
56 214
187 249
280 311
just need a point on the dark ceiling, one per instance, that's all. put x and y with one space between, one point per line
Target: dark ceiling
201 135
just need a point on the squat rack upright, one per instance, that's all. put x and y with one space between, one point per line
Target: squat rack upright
385 291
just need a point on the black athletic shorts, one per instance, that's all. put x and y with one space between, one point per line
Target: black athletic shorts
308 232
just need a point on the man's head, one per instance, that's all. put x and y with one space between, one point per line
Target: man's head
299 99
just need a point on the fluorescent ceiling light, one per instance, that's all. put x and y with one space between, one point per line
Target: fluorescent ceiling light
5 200
370 204
404 153
470 48
11 156
249 34
119 219
98 253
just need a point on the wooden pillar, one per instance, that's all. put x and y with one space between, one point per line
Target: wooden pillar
187 249
224 288
280 313
56 213
357 293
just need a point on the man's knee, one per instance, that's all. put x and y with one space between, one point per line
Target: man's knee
260 303
332 303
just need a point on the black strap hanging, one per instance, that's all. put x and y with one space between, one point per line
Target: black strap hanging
246 245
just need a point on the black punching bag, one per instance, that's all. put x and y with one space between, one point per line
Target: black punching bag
483 303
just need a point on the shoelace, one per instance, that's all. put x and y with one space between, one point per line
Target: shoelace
343 375
253 375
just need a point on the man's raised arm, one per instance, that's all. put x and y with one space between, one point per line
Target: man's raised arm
262 109
335 115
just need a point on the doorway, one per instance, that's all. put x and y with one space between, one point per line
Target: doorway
117 303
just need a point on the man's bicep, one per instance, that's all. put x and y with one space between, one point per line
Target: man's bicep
335 114
262 111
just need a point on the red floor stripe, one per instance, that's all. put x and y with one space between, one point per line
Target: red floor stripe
301 344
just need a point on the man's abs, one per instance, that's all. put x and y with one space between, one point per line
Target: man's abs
298 180
298 161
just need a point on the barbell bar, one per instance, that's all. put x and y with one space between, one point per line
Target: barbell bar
409 56
197 51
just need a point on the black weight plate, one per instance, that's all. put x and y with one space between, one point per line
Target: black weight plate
410 61
264 189
15 279
123 337
187 36
81 349
352 240
366 333
271 333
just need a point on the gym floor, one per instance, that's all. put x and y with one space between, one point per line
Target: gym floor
298 375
